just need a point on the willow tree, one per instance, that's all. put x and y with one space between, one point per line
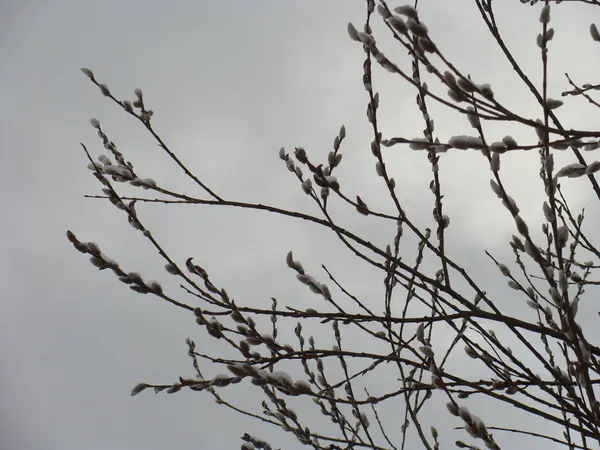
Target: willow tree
534 354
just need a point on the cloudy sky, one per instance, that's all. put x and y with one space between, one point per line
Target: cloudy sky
230 83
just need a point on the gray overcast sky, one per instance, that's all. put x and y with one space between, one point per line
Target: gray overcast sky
230 83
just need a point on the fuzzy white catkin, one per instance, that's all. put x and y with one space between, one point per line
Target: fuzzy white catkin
406 10
496 188
383 11
562 236
592 168
552 103
530 250
572 170
560 146
465 142
398 24
352 32
466 85
332 182
104 160
419 144
110 170
594 32
504 269
450 79
549 163
366 39
497 147
307 186
511 205
302 386
510 142
456 96
418 28
521 226
548 213
495 162
562 281
473 118
514 285
545 14
148 183
540 131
